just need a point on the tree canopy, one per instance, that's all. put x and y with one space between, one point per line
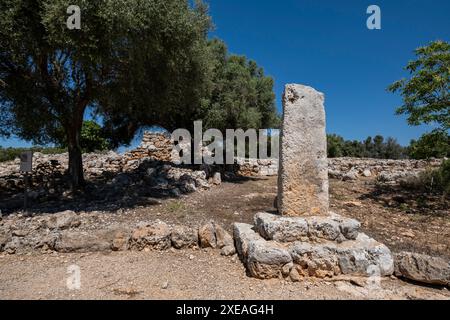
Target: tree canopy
426 97
240 96
133 62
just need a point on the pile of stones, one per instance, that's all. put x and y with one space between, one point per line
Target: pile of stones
257 167
154 145
71 232
388 171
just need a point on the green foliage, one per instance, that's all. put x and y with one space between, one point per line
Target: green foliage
370 148
92 138
426 97
431 145
431 181
240 95
8 154
133 62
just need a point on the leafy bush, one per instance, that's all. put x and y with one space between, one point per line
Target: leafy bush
432 181
435 144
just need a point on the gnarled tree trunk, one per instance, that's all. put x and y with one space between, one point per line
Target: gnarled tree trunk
75 156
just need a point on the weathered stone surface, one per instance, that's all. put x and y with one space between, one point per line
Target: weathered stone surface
282 229
367 173
63 220
207 236
422 268
303 172
350 228
243 234
363 256
267 259
153 235
223 238
315 260
228 251
120 241
217 178
290 229
351 175
71 241
48 242
366 257
184 237
324 228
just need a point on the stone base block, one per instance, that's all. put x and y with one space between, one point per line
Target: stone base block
309 247
313 228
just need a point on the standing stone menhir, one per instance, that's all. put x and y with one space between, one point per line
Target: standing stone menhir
303 169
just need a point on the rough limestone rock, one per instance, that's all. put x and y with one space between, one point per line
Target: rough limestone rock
303 170
324 228
184 237
290 229
71 241
329 246
243 234
283 229
267 259
422 268
217 178
121 241
63 220
228 251
223 238
153 235
207 236
361 257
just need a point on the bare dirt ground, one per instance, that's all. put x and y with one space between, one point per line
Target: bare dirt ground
204 274
185 274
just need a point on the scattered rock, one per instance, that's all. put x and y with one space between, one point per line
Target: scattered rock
184 237
207 236
367 173
217 178
154 235
228 251
422 268
350 176
63 220
120 241
223 238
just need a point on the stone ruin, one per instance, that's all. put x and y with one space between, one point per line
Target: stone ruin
305 238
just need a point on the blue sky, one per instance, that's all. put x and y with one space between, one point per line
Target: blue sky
326 44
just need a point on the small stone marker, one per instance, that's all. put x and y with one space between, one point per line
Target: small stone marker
26 161
303 169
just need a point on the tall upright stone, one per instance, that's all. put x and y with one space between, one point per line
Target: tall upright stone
303 169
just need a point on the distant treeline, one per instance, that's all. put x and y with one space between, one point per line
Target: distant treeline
8 154
431 145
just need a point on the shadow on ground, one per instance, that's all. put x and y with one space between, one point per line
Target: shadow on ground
146 185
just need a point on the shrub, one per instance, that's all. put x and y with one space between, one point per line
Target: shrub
431 180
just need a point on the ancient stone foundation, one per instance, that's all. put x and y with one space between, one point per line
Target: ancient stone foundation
320 247
306 239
